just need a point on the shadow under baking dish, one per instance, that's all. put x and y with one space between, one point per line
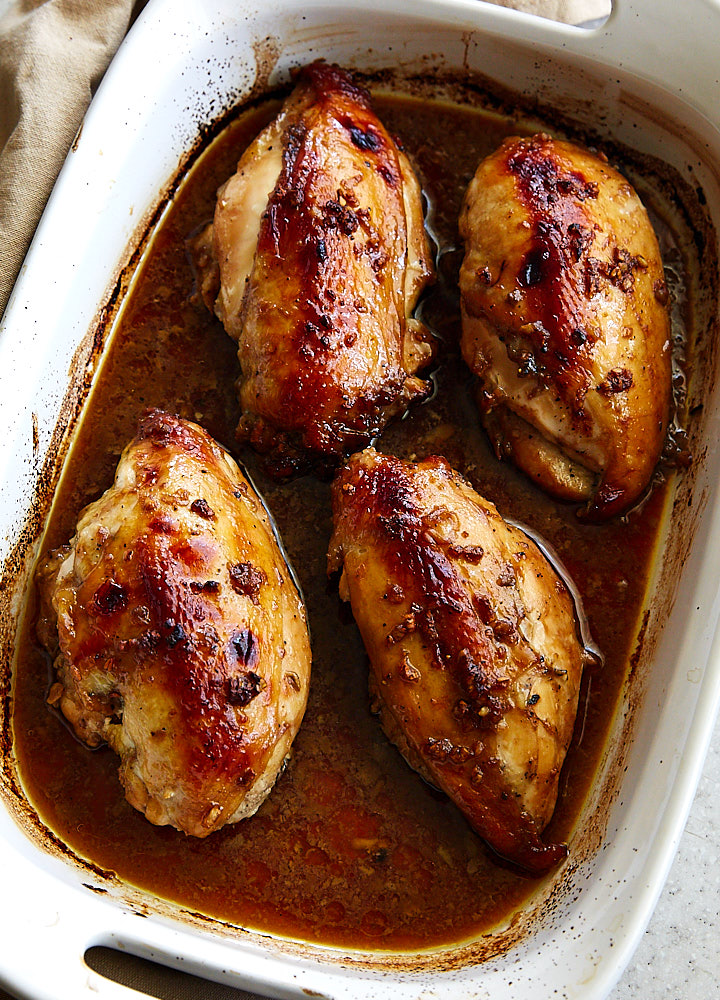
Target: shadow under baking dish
352 848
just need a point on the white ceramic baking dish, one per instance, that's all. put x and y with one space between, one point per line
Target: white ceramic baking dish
647 78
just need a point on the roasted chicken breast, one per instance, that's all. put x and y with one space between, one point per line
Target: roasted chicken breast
179 633
321 254
565 321
473 644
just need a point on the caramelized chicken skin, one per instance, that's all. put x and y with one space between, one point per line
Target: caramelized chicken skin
565 321
321 255
474 655
181 637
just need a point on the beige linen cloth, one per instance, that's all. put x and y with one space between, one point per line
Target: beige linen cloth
52 57
53 54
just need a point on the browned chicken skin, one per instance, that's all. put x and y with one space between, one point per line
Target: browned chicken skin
181 635
322 255
565 321
474 653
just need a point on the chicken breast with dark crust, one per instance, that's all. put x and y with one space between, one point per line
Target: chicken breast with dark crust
179 633
565 321
475 659
321 255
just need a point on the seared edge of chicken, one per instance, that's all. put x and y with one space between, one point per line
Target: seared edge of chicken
179 632
565 321
321 254
474 654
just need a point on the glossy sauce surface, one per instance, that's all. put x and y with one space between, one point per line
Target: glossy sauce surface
352 847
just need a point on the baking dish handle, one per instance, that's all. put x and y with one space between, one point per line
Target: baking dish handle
45 934
63 974
636 35
49 921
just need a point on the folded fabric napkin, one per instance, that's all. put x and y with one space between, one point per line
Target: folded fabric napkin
568 11
52 57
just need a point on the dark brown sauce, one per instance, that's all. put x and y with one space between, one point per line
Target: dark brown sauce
352 847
